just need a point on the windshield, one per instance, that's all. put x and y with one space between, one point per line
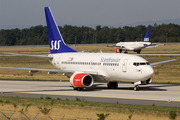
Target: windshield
140 63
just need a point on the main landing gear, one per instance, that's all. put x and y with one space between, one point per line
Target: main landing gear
136 88
112 85
77 88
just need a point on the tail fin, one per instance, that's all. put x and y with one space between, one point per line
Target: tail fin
56 41
146 39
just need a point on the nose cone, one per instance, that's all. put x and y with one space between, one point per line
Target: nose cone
148 72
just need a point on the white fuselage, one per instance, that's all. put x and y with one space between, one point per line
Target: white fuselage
133 45
115 67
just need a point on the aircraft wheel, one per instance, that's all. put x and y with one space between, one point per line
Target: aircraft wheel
125 52
109 85
115 85
136 88
112 85
138 52
79 89
75 88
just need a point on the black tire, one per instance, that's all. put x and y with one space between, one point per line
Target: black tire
109 85
112 85
75 88
136 88
115 85
138 52
80 89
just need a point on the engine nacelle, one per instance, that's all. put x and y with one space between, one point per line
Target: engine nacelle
116 50
147 81
81 80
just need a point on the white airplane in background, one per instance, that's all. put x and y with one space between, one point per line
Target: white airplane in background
134 46
84 69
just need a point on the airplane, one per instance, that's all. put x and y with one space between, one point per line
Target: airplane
134 46
84 69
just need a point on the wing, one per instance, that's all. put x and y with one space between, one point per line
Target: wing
119 47
97 76
31 55
160 55
35 70
162 62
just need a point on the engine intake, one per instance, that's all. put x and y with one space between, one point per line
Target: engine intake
81 80
116 50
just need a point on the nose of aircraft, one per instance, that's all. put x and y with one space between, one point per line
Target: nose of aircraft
148 72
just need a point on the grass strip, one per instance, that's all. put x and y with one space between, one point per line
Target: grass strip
58 108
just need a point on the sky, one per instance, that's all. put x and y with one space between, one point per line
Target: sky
27 13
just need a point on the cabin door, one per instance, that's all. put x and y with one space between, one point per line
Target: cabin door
124 65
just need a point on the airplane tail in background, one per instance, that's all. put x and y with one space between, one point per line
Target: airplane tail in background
56 41
146 39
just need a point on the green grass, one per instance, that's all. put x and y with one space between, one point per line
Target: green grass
45 102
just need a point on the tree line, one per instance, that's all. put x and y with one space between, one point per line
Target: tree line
38 35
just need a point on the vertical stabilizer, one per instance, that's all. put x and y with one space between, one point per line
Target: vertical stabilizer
56 41
146 39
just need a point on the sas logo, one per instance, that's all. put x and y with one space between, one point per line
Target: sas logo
146 39
55 44
70 59
138 70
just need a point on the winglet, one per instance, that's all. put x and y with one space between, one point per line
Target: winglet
56 41
146 39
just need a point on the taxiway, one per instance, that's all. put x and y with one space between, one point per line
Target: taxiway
157 94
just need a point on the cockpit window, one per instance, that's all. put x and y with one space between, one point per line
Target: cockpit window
134 64
142 63
137 64
147 63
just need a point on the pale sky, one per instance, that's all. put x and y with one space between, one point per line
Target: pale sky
87 12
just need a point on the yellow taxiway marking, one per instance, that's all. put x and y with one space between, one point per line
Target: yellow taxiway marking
99 96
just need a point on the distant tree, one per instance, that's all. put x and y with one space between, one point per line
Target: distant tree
98 28
38 35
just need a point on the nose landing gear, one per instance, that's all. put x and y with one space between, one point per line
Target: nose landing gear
136 88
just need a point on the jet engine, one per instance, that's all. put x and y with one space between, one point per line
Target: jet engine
117 50
81 80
